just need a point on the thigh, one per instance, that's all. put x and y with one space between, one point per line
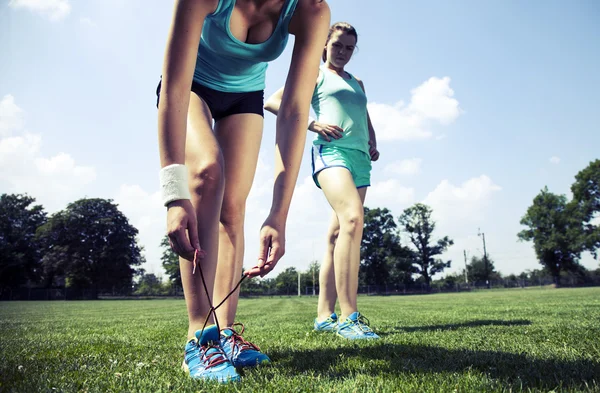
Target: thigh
324 157
201 147
239 136
341 192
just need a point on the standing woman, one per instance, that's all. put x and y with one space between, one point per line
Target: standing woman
342 151
214 69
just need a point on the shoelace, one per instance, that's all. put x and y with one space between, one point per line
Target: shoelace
217 356
238 341
212 309
213 358
363 324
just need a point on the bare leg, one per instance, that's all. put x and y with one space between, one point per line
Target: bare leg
205 166
347 202
327 292
239 137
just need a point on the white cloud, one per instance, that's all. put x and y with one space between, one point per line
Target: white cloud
390 194
53 181
554 160
472 244
410 166
431 102
85 21
456 204
11 116
261 187
458 211
52 9
433 99
145 212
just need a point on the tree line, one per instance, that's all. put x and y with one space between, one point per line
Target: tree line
91 246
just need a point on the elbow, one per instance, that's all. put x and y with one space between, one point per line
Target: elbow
270 106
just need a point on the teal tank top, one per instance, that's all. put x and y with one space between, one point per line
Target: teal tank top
225 63
341 102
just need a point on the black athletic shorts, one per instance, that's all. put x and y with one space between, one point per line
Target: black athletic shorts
223 104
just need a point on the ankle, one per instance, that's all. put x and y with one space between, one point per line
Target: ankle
323 316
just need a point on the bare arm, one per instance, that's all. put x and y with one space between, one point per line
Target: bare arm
372 138
274 102
309 24
327 131
177 74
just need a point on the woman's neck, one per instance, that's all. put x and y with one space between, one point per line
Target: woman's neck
338 70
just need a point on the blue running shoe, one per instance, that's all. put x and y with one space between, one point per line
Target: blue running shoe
356 327
240 352
205 359
328 325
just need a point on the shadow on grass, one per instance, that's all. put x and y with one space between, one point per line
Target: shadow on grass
376 358
454 326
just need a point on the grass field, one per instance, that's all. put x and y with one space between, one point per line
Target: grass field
496 341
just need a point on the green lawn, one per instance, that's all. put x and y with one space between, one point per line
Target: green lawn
498 341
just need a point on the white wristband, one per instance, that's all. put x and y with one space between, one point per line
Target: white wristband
174 183
310 121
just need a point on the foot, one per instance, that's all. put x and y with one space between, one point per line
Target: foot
240 352
205 359
328 325
356 327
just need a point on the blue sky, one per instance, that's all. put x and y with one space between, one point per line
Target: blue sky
477 106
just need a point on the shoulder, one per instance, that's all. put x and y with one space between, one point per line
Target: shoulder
320 77
195 7
360 82
313 8
308 13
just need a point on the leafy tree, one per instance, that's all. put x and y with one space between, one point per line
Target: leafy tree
586 194
19 251
383 259
512 280
267 286
170 262
418 224
90 245
149 285
476 270
554 226
251 286
450 281
287 281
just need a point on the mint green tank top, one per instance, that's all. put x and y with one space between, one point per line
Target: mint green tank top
227 64
342 102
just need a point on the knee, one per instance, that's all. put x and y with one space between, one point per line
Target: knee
352 223
332 236
207 177
232 214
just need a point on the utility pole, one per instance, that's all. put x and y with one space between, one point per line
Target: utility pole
299 283
466 275
485 259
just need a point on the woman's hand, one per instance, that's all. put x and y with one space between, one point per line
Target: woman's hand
272 246
327 131
182 229
373 152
